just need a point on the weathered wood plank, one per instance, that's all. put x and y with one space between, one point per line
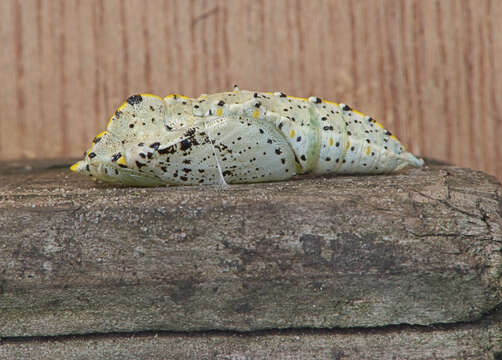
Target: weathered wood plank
430 70
420 247
480 340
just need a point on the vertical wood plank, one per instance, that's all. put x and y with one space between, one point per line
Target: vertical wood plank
430 70
8 110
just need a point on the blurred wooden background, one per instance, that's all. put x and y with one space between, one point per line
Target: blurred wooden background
430 70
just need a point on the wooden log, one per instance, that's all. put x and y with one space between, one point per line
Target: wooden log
422 247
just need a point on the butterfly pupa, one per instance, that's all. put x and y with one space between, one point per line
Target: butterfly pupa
238 137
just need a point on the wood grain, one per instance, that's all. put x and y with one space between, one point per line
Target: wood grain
480 341
79 257
430 70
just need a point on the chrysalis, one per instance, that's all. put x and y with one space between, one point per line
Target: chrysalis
238 137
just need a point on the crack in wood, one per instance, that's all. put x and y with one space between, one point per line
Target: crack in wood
494 316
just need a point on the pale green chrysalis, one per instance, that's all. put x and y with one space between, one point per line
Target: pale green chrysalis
238 137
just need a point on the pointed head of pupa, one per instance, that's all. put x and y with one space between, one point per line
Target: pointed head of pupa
99 157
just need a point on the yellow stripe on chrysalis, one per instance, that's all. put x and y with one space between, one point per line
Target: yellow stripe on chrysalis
358 113
368 150
75 166
298 98
330 102
151 95
292 134
176 95
122 106
111 117
331 141
98 136
219 112
122 161
256 114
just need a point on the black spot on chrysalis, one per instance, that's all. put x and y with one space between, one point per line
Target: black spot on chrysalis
185 144
135 99
116 156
